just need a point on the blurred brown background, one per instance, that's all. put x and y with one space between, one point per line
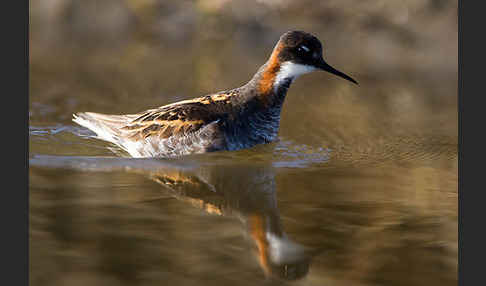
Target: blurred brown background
146 52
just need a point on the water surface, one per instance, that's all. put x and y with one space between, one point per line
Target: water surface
360 189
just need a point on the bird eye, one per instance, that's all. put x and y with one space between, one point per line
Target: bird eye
303 48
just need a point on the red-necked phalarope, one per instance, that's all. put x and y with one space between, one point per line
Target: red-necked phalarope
227 120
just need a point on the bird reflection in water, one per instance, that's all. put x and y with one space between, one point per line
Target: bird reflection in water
248 193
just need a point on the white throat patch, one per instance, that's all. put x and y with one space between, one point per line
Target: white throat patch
290 70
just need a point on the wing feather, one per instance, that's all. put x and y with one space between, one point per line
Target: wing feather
189 126
180 118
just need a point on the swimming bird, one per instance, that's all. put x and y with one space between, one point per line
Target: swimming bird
227 120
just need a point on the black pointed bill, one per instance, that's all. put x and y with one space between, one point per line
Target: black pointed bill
324 66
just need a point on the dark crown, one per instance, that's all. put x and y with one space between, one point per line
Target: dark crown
300 47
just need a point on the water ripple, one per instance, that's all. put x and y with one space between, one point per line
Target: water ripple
61 140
